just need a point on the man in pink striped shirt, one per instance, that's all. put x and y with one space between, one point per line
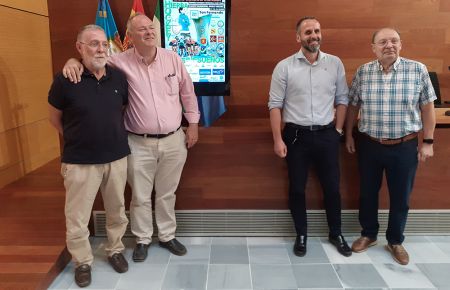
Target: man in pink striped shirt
160 90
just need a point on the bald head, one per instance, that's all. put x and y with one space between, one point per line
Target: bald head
136 16
141 32
375 34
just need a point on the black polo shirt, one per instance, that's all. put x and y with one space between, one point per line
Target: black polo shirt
94 132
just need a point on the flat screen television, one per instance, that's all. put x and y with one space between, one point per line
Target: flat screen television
198 32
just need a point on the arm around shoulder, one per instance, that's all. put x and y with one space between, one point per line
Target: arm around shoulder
72 70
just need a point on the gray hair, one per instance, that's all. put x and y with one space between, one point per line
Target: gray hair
378 31
132 17
88 27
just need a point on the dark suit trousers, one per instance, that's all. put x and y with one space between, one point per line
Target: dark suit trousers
320 150
399 163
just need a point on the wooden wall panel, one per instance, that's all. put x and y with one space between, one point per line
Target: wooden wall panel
25 67
27 141
10 152
26 148
39 144
34 6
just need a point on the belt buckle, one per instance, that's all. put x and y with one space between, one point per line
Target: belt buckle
145 135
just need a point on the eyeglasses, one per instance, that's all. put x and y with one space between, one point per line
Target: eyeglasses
384 42
95 44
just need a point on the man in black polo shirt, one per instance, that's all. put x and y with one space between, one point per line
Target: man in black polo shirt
88 115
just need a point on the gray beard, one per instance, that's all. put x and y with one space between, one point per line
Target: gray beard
312 49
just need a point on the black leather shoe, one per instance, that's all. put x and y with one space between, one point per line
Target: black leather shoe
118 262
174 246
140 252
83 275
300 246
341 245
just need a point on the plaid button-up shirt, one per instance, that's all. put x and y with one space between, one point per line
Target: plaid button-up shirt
390 102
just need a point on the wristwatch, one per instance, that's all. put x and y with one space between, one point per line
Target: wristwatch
428 141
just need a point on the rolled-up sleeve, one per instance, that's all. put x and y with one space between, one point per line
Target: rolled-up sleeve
278 84
341 86
427 94
354 93
187 94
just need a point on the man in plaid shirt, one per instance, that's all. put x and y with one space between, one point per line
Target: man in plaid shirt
394 97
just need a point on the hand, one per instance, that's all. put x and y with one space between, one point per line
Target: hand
425 151
191 135
73 70
280 149
350 144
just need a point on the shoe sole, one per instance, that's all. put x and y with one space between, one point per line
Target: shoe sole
368 246
118 270
299 254
393 256
82 285
139 260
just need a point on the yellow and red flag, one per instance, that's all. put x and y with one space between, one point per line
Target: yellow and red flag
137 8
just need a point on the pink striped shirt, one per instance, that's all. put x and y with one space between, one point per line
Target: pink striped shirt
155 92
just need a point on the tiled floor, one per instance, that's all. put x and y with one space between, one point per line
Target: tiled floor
268 263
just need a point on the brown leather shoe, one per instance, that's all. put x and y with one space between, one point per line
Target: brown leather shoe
118 262
83 275
399 254
362 244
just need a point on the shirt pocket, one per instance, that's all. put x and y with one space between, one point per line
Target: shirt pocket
412 93
172 85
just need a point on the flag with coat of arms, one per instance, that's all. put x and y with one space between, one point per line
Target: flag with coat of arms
105 20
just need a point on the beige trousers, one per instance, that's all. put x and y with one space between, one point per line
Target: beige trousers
155 163
82 182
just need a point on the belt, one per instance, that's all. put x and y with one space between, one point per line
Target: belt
157 136
392 141
310 128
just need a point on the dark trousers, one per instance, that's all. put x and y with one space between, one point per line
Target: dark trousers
321 150
399 162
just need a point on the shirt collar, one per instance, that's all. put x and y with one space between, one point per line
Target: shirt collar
394 65
300 55
141 58
88 73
